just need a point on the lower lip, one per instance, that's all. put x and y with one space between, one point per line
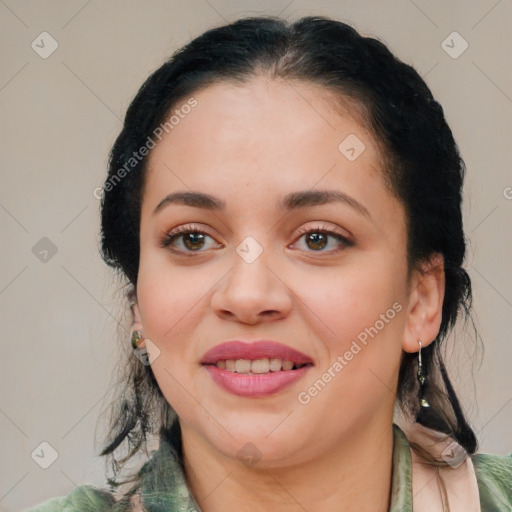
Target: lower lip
255 385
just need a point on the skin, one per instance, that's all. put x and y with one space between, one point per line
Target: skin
249 145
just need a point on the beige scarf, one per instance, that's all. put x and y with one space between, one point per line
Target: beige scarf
452 488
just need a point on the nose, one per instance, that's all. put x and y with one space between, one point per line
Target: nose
251 293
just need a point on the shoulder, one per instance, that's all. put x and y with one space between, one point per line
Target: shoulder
84 498
494 477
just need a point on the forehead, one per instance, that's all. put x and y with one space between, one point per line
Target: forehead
264 139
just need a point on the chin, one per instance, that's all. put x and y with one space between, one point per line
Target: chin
257 441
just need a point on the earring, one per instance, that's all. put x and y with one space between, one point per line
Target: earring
136 338
421 380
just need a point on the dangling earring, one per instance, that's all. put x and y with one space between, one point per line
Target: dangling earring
141 353
421 380
136 338
136 334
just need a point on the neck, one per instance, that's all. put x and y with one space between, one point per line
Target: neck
354 476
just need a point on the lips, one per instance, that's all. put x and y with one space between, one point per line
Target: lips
255 369
260 349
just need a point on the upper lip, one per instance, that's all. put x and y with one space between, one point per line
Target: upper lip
259 349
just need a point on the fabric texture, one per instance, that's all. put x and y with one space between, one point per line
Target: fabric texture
164 488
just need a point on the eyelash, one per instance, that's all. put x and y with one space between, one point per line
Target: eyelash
169 238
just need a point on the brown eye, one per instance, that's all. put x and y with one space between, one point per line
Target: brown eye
193 240
186 239
317 238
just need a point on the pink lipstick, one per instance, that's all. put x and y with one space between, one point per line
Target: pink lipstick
255 368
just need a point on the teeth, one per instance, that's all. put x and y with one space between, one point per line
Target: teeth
275 365
242 365
260 366
255 366
287 365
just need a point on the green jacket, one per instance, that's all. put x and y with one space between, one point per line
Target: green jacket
164 489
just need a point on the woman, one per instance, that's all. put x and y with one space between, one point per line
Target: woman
284 201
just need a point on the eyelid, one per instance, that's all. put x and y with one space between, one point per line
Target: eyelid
343 240
318 227
323 226
169 236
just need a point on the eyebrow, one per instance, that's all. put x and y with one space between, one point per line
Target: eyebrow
291 201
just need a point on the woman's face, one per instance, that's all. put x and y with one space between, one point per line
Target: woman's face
264 151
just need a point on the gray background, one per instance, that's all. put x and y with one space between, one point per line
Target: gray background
60 312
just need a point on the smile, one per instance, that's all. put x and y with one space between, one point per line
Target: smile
257 366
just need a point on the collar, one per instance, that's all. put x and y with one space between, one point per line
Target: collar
401 482
164 486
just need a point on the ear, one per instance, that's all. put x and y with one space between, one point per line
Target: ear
137 324
425 307
135 312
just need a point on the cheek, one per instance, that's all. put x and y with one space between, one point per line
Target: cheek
170 306
359 314
168 292
350 300
170 302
